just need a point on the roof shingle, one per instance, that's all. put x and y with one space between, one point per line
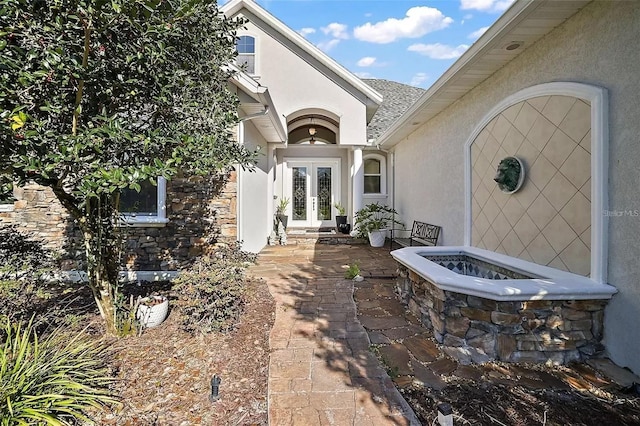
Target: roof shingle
397 98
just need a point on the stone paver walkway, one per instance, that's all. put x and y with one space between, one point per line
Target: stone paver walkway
321 370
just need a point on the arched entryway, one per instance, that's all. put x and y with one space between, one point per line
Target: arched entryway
312 169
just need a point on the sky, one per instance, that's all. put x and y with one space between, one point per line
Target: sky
408 41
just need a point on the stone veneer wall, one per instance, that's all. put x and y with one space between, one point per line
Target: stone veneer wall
548 221
474 329
201 213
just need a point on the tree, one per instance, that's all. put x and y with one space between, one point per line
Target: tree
100 95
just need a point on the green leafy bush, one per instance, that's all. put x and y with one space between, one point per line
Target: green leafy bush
374 217
53 381
212 292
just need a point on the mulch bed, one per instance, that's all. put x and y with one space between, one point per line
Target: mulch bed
485 403
164 375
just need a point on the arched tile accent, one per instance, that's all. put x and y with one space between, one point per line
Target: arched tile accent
556 217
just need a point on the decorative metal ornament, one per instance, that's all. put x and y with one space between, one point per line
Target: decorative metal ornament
510 175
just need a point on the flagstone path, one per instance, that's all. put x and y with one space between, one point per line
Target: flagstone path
321 370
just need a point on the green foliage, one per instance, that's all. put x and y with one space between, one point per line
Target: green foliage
282 205
341 210
373 217
212 292
353 271
97 96
103 95
53 381
22 257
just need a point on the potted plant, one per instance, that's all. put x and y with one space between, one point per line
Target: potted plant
372 222
281 210
341 218
152 311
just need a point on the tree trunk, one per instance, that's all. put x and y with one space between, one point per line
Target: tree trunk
102 250
102 243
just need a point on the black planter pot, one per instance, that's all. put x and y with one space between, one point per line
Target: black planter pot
283 218
345 228
340 220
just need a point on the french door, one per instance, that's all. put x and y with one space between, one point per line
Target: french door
313 187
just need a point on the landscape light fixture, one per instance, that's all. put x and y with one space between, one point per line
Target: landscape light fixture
215 388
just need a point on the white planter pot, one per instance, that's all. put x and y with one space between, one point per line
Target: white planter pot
152 315
376 238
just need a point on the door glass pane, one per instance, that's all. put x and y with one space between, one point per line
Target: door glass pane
299 185
324 193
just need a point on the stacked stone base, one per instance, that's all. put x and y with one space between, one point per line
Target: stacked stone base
475 329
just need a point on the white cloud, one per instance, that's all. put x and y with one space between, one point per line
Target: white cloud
467 16
367 61
438 51
419 78
477 33
306 31
336 30
485 5
326 46
363 74
418 22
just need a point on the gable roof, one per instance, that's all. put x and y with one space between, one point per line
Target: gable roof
397 98
306 50
524 23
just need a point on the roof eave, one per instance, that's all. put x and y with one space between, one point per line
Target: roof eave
261 95
516 10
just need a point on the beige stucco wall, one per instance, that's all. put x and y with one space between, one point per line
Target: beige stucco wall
597 46
548 220
295 85
254 192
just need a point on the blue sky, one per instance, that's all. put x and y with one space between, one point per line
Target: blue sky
408 41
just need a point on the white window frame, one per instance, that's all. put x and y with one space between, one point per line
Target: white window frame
383 173
255 54
156 221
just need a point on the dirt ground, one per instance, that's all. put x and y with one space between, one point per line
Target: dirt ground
164 375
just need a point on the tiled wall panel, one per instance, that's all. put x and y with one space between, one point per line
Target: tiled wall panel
548 221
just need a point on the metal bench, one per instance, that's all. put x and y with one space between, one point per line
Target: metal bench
422 234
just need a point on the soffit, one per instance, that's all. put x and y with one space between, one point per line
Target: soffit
526 21
263 123
254 100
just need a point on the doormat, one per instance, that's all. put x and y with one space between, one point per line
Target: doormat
321 231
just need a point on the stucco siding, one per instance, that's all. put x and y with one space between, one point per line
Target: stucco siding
597 46
300 86
254 218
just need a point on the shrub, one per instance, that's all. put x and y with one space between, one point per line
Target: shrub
212 292
22 257
53 381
